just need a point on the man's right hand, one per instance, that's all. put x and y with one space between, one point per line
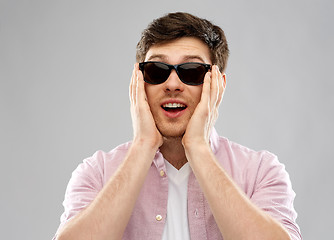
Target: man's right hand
144 128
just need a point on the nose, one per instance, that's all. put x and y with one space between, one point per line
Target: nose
173 83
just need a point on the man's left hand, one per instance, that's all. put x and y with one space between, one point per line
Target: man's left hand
206 113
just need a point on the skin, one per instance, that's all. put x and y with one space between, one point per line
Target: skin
181 139
172 130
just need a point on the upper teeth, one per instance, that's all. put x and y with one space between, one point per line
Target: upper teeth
173 105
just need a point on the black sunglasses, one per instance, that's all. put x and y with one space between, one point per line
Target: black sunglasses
191 73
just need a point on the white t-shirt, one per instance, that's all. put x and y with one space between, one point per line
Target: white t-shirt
177 226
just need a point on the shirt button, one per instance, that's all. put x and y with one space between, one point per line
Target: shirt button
196 212
162 173
158 217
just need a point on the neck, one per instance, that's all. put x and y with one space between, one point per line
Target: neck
173 151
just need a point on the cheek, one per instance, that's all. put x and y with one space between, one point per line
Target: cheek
149 92
150 95
196 94
195 97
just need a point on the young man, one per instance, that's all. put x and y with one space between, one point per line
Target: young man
177 179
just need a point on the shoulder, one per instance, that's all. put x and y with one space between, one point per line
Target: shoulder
249 168
102 157
101 165
235 153
239 154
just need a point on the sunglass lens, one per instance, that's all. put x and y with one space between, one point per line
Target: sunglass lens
156 73
192 73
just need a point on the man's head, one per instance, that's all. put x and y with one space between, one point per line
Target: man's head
174 26
177 39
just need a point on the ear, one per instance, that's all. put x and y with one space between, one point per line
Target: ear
224 80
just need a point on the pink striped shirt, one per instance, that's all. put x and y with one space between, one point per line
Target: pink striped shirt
259 174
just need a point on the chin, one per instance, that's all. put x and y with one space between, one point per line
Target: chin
172 132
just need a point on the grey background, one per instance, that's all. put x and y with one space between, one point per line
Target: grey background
65 67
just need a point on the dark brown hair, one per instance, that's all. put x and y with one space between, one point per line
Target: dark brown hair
177 25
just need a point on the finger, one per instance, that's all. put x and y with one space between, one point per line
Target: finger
205 97
215 88
222 84
216 94
132 84
141 94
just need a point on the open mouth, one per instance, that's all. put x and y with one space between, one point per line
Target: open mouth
174 107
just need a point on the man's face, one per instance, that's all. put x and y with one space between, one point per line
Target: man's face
171 120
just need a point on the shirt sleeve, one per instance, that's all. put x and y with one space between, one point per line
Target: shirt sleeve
84 185
273 193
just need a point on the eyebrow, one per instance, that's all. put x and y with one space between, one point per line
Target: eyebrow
159 56
163 57
189 57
